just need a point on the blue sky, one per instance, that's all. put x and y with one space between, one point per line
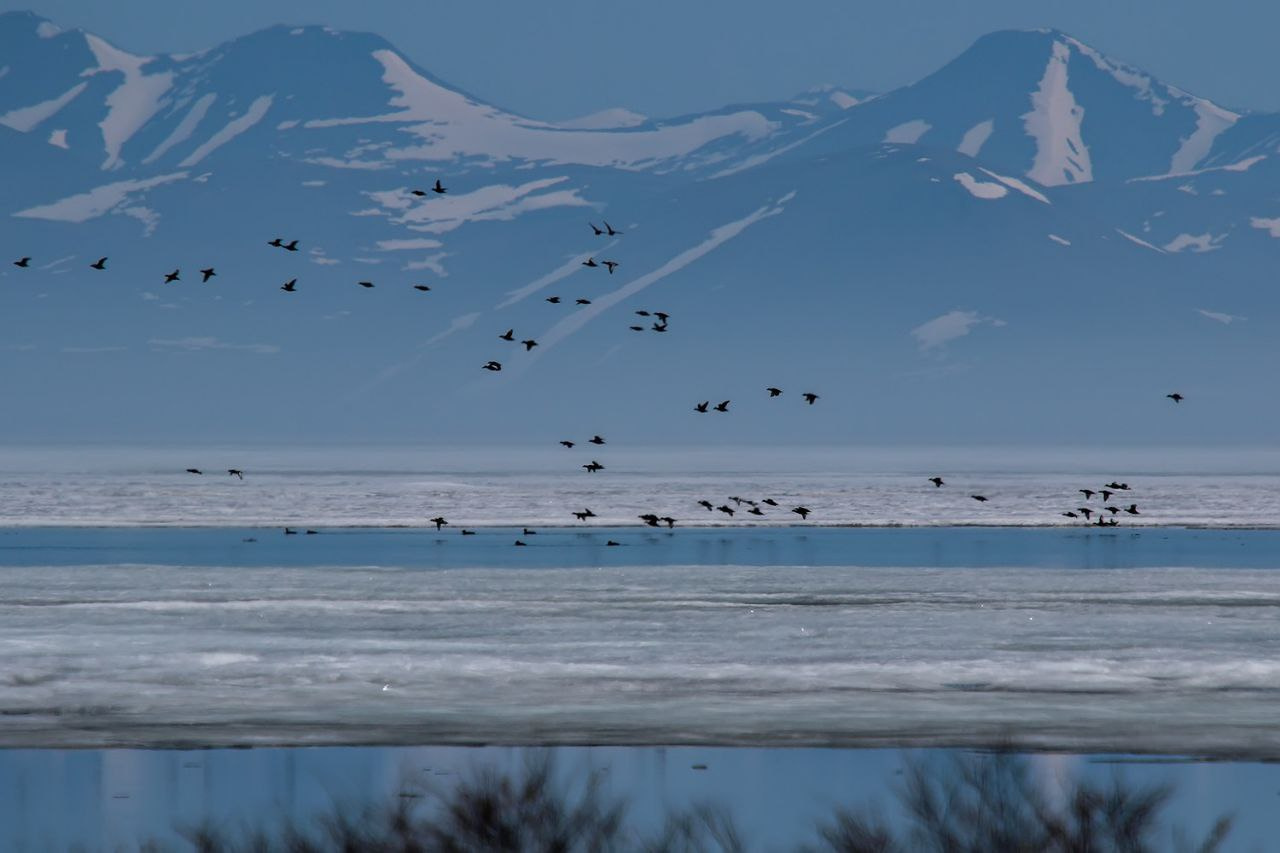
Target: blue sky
665 57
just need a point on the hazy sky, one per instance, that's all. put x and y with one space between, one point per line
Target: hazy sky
561 58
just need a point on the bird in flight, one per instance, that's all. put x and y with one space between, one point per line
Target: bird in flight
235 472
438 521
439 188
99 264
937 482
585 514
365 284
755 510
642 313
774 392
1175 397
173 276
979 498
707 504
22 262
1070 515
722 407
636 328
595 439
803 512
277 242
1132 509
1088 493
554 300
726 509
609 229
418 193
809 398
495 366
1085 511
206 274
508 335
290 286
611 265
1106 495
568 444
423 287
769 501
597 231
659 327
593 466
529 344
584 301
590 262
702 407
194 471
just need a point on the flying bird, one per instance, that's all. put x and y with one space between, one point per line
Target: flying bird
597 231
529 344
611 265
277 242
173 276
423 287
1106 495
1088 493
636 328
206 274
726 509
722 407
769 501
1132 509
593 466
235 472
662 316
707 504
583 301
702 407
365 284
584 515
1085 511
508 335
568 444
194 471
595 439
554 300
438 521
290 285
439 188
802 511
979 498
1175 397
937 482
755 510
642 313
590 262
418 193
22 262
774 392
495 366
291 246
659 327
99 264
609 229
810 398
1070 515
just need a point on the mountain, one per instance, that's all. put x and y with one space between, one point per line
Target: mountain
1034 243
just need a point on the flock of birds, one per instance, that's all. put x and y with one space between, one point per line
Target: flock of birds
1106 513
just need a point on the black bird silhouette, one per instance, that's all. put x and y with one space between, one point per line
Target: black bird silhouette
235 472
736 500
495 366
1113 485
595 439
206 274
597 231
702 407
662 316
311 533
418 193
1123 487
1132 509
521 544
707 504
173 276
466 532
99 264
508 335
979 498
659 327
774 392
277 242
668 520
590 262
365 284
583 516
937 482
438 521
1088 493
290 285
528 532
593 466
649 519
529 344
554 300
568 444
642 313
809 397
609 229
194 471
1175 397
1085 511
755 510
291 246
22 262
1106 495
610 265
802 511
769 501
1070 515
423 287
1113 509
439 188
290 532
612 544
636 328
583 301
722 407
726 509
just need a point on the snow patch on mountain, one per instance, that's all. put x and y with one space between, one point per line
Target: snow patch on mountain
843 100
233 128
1195 242
954 324
980 189
413 244
1271 226
25 119
1125 75
58 138
1054 123
1211 121
1139 241
606 120
909 132
494 202
975 137
48 29
185 128
1238 166
85 206
1020 186
133 103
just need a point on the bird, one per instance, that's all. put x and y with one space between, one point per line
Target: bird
1070 515
1106 495
642 313
554 300
508 335
173 276
1132 509
610 265
529 344
649 519
288 531
206 274
22 262
365 284
769 501
810 397
595 439
669 521
979 498
568 444
466 532
702 407
1088 493
521 544
1175 397
726 509
707 504
584 515
194 471
495 366
755 510
609 229
1113 509
235 472
662 316
528 532
291 246
612 544
593 466
597 231
423 287
722 407
590 262
583 301
439 188
99 264
277 242
937 482
802 511
311 533
659 327
636 328
774 392
418 193
438 521
1085 511
290 285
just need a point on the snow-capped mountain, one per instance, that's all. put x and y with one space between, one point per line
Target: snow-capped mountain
1013 216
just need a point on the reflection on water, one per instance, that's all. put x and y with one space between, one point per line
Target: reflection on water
777 798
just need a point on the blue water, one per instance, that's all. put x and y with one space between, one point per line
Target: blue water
945 547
